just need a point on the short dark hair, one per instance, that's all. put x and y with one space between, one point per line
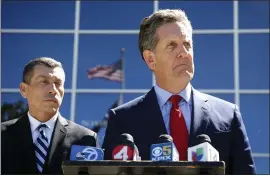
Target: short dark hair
29 68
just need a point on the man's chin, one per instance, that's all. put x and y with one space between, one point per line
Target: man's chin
184 74
51 109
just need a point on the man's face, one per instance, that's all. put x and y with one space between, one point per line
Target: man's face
172 59
45 90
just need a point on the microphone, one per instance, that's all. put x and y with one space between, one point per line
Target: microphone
203 150
164 150
83 151
126 149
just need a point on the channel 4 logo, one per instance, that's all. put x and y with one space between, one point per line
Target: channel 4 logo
161 152
197 155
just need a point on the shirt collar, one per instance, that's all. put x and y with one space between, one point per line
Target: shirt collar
163 95
34 123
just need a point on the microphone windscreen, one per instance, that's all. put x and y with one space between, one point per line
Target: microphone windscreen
202 138
164 138
126 137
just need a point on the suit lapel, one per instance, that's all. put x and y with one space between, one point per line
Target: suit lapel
59 135
200 116
153 114
25 144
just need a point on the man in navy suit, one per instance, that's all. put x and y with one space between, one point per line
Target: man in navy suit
173 106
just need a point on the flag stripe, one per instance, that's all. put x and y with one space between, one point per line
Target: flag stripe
112 72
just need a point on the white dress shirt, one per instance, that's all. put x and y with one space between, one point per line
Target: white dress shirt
34 123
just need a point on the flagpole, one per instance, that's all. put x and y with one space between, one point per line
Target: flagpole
121 101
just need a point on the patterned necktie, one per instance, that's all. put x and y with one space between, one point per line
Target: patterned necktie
178 127
41 147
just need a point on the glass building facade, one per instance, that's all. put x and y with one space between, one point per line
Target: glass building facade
231 55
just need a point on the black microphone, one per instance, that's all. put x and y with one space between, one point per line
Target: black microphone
164 150
203 150
202 138
164 138
125 149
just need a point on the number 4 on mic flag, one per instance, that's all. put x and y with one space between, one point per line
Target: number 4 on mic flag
123 152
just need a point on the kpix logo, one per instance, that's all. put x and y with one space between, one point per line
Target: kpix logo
162 153
197 155
88 154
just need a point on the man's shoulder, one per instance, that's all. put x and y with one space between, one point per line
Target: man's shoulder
8 124
129 106
75 128
80 134
221 113
216 101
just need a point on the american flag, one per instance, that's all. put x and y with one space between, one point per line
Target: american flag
103 122
111 72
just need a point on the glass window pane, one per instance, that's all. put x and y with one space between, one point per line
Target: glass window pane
38 14
13 98
8 99
255 112
105 50
254 61
130 96
65 107
91 109
254 14
262 165
213 59
19 49
113 14
221 16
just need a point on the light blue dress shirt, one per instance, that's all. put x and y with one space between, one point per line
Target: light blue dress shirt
165 106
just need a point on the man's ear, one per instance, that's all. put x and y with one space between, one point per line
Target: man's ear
150 59
23 89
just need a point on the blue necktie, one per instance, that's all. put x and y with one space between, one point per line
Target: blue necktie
41 147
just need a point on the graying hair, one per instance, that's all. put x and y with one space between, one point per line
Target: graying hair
29 68
149 25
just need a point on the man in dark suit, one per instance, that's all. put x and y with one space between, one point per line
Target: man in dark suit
39 141
173 106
